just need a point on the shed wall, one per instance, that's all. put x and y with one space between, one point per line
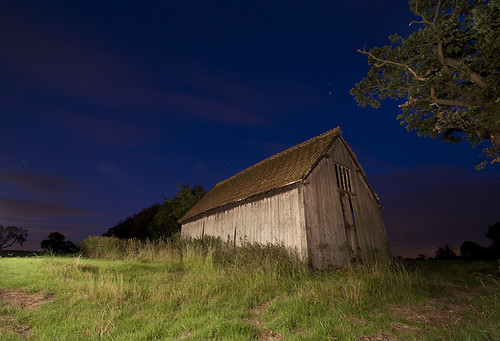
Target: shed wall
326 236
277 219
326 230
374 245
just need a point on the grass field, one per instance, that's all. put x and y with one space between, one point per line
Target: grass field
254 292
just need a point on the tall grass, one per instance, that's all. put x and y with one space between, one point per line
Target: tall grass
202 290
210 252
404 282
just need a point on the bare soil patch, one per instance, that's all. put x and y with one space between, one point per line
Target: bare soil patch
21 299
266 334
446 311
261 308
12 326
379 337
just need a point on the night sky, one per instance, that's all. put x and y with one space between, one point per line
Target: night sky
107 106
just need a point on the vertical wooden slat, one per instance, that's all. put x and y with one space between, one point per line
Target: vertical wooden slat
311 219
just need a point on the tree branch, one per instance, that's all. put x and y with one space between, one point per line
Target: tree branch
418 22
384 61
495 136
474 76
437 13
4 245
11 244
447 61
440 101
440 55
424 19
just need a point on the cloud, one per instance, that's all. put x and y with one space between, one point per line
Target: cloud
56 61
279 96
38 182
71 67
60 62
106 130
32 200
206 107
12 210
269 148
435 205
114 173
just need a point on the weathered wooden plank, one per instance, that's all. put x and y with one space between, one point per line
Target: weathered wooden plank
308 216
271 219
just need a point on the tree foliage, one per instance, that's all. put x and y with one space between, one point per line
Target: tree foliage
167 218
11 235
494 232
159 220
445 252
136 225
447 72
494 235
421 256
473 251
56 243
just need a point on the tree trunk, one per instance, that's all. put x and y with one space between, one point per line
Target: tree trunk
495 137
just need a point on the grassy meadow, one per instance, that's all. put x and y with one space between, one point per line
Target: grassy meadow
170 290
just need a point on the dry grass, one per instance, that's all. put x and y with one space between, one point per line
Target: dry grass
250 293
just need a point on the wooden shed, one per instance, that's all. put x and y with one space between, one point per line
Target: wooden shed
313 198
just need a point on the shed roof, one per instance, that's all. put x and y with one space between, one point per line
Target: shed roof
277 171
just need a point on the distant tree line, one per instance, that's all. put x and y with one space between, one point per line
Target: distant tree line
159 220
472 250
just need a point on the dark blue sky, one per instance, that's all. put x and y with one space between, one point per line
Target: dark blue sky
107 105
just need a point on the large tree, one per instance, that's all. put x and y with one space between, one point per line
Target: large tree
447 72
167 219
494 235
473 251
159 220
56 243
11 235
445 252
136 225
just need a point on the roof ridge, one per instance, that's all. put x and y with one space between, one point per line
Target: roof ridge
335 130
278 170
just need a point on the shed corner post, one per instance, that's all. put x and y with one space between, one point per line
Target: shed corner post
304 245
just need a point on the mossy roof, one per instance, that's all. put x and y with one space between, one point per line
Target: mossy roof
280 170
